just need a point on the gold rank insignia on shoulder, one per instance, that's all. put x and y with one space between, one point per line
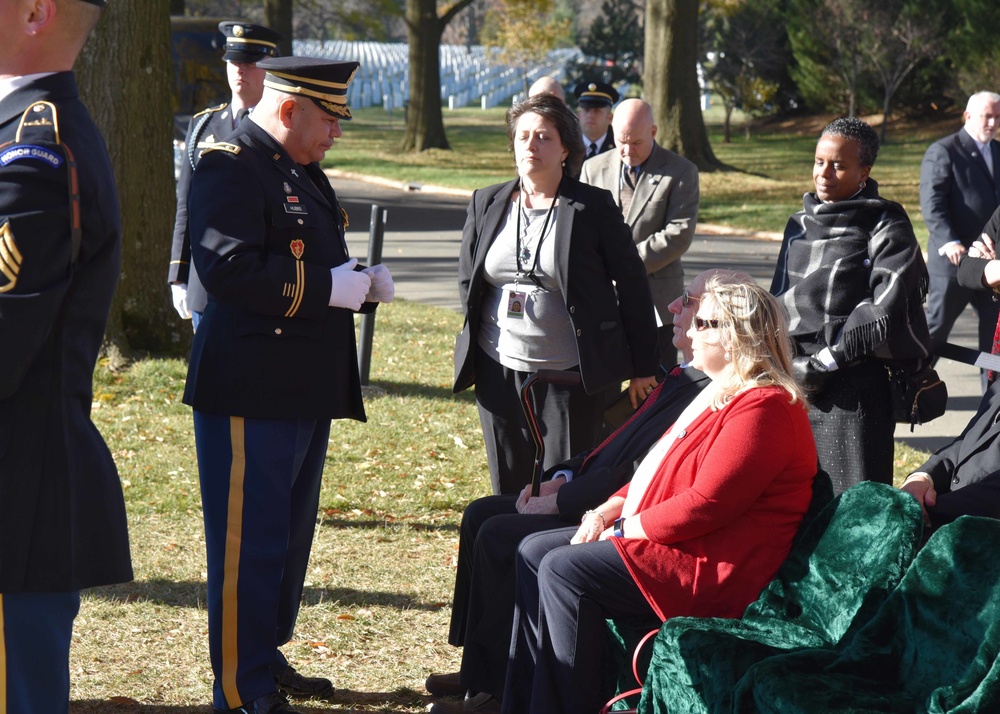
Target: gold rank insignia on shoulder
298 248
10 259
211 109
39 122
221 146
343 214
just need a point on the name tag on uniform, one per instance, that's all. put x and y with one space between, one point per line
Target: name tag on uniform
296 208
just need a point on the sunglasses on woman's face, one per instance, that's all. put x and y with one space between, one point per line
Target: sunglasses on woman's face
700 324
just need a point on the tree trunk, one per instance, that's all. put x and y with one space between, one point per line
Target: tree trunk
670 80
424 120
278 16
176 7
727 123
125 80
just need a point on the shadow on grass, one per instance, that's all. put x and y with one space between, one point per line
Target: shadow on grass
194 594
391 525
409 389
344 701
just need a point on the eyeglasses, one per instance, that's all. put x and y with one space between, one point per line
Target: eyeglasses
700 324
687 299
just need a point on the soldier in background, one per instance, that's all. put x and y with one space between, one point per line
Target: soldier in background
246 45
594 101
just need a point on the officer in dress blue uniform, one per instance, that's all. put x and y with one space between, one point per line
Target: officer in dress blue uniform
594 103
273 361
246 45
62 514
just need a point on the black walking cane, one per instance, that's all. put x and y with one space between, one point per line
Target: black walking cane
543 376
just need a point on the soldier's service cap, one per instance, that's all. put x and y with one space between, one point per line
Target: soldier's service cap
246 43
323 81
595 94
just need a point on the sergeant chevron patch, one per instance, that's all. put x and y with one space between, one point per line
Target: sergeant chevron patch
10 259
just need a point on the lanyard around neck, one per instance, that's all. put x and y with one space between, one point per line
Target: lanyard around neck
521 245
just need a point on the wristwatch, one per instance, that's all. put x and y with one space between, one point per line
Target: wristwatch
619 531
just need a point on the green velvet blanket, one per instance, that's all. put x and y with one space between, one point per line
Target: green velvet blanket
843 565
931 647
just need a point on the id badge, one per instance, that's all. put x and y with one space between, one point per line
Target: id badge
515 302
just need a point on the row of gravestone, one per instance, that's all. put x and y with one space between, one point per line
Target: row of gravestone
468 75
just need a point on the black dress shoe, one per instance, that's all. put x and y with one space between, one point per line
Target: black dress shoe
444 685
273 703
301 687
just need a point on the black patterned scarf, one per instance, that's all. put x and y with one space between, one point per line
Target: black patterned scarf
851 275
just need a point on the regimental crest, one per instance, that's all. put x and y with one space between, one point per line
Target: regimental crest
10 259
343 214
298 248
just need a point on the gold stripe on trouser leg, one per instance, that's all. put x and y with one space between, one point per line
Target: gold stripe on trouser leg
230 580
3 662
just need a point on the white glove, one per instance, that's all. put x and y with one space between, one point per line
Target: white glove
382 289
349 287
179 293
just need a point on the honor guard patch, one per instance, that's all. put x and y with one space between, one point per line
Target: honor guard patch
10 259
19 152
298 248
222 146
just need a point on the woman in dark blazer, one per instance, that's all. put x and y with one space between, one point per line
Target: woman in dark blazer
550 279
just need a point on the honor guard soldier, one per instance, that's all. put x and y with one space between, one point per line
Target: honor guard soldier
594 103
62 514
246 45
273 361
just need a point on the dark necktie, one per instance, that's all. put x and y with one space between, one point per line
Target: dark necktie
627 189
593 150
239 117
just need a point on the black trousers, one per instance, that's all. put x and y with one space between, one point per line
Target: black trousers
570 419
482 615
976 499
946 301
559 648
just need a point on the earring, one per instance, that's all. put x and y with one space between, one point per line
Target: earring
726 356
862 185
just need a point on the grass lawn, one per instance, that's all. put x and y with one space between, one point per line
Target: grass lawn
770 172
378 594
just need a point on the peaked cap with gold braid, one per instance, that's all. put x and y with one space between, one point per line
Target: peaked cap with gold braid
323 81
249 44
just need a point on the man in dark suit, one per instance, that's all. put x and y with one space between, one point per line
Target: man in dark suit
62 515
492 527
273 361
959 191
659 196
246 45
594 103
963 478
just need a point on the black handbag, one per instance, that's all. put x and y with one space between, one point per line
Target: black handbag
917 396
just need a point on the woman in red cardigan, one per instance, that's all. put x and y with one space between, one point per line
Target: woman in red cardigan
702 527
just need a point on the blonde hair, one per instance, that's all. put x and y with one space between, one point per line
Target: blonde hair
753 329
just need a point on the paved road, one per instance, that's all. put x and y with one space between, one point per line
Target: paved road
423 232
